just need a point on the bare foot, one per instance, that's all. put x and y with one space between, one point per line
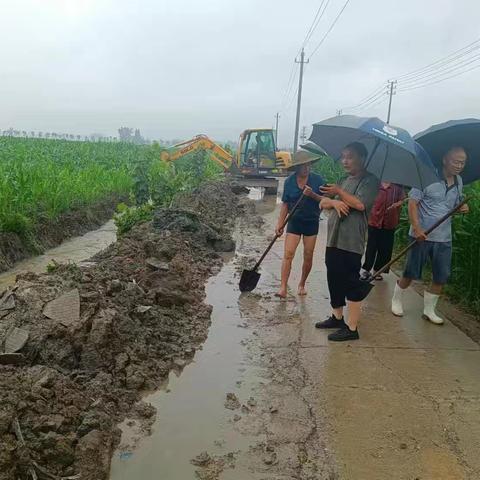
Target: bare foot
301 290
282 293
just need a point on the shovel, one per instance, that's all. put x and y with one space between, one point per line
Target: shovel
250 278
366 285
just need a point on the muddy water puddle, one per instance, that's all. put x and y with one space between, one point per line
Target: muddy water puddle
75 250
191 416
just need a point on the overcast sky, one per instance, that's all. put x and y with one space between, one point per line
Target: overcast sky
175 68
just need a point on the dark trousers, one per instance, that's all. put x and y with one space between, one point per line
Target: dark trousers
343 276
379 248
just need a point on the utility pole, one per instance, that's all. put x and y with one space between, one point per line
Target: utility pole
299 99
277 116
339 112
392 93
303 136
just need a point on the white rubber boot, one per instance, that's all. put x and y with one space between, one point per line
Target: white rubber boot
397 305
430 302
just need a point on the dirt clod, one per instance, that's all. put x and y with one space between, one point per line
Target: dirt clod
201 460
232 402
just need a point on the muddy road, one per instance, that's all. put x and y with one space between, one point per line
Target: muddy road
269 398
258 393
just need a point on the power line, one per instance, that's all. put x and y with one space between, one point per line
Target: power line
312 26
450 66
311 30
425 78
377 101
293 92
292 99
441 72
414 87
289 84
452 56
316 21
441 66
378 89
373 105
374 96
330 29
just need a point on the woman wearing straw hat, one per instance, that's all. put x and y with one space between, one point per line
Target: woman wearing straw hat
304 223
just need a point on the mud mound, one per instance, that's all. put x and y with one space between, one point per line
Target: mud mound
99 335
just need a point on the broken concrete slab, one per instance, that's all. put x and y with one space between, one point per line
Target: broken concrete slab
15 340
11 358
156 264
7 301
64 309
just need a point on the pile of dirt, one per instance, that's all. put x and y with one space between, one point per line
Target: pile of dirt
50 233
87 340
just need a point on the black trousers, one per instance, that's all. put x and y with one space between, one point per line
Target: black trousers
379 248
343 276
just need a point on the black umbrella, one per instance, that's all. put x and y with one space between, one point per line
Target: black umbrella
394 156
438 139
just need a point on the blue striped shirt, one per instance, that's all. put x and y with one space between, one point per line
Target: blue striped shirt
434 202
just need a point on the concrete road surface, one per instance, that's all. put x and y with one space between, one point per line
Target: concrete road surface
402 403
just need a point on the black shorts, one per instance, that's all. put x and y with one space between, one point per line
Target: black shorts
343 276
303 227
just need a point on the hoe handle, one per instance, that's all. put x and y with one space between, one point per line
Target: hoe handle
430 230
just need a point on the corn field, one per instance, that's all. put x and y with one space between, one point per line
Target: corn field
464 285
40 178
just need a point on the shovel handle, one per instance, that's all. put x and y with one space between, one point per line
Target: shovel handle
427 232
287 218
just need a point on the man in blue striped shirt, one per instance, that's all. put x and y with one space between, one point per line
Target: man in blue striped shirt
424 209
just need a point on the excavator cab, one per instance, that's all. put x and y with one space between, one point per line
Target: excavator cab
256 163
257 153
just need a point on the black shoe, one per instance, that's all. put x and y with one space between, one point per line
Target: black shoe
365 275
331 322
343 335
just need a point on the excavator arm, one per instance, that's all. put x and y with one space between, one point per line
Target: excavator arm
200 142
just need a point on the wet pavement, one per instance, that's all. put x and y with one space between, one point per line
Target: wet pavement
401 403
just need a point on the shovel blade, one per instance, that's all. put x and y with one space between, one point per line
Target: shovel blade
249 280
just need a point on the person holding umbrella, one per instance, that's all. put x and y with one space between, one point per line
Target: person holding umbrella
383 221
393 156
350 204
425 207
305 221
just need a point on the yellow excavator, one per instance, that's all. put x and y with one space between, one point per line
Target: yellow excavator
256 163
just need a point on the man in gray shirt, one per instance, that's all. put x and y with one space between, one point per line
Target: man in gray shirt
425 208
349 208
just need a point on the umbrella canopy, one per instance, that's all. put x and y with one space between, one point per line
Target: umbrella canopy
438 139
393 155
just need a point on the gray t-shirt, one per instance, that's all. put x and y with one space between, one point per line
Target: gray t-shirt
350 233
433 203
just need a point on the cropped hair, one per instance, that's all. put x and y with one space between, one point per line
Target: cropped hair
359 148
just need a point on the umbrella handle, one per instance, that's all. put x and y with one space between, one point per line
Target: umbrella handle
287 218
427 232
